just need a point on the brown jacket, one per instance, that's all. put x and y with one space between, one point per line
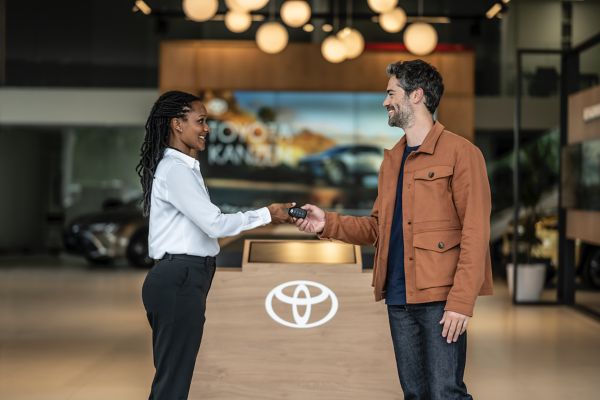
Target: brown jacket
446 214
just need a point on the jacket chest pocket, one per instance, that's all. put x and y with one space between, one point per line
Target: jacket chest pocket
436 257
433 195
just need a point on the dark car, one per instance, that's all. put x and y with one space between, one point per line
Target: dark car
119 230
345 164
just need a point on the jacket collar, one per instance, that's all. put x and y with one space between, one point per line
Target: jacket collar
428 145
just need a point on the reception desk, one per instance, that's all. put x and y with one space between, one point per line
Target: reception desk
297 321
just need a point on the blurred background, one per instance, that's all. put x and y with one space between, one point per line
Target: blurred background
295 112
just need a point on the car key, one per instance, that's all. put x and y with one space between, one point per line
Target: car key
297 212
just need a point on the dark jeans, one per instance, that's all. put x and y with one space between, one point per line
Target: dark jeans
174 295
429 368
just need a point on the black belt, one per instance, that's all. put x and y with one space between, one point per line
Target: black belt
186 257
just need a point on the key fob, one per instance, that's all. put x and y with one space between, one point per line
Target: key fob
297 212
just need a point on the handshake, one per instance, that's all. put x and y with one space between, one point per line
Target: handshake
313 221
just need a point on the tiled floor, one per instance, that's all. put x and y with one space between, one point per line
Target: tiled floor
67 332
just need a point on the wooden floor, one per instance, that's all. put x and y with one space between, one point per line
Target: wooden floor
70 333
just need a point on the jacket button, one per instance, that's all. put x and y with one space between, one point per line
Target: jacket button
410 258
410 222
441 245
431 174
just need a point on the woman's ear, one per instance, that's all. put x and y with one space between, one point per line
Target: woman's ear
176 125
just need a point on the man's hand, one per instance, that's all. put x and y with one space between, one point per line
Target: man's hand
314 221
279 212
455 324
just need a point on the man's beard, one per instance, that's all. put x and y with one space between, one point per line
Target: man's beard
401 117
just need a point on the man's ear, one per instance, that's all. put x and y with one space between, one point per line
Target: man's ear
417 95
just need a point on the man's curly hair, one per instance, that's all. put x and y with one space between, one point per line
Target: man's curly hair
416 74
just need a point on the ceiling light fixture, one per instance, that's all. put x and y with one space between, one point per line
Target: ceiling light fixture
429 20
333 49
381 6
393 21
200 10
252 5
272 37
497 9
494 10
140 5
295 13
308 28
234 5
237 21
353 40
350 37
420 38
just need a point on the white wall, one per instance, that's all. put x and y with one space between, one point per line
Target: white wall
31 125
497 113
586 15
83 107
537 24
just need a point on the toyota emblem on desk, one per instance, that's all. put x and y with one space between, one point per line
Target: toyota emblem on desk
301 297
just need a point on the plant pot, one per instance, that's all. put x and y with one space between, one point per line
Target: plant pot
530 281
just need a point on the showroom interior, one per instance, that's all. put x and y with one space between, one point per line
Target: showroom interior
294 92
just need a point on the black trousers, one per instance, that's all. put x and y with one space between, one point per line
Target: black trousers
174 295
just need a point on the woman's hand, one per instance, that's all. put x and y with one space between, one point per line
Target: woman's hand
279 212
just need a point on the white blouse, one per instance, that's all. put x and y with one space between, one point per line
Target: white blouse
182 218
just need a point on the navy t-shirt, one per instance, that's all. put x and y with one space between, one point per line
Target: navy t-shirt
396 285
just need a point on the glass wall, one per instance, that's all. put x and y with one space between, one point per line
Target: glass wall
537 232
581 182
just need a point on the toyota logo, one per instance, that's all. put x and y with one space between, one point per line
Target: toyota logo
301 297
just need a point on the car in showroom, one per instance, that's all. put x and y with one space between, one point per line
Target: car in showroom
119 230
345 164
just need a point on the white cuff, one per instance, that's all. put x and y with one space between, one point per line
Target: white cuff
264 215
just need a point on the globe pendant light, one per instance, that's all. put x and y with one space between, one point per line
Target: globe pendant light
200 10
271 37
381 6
234 5
295 13
420 38
353 40
333 49
252 5
393 21
237 21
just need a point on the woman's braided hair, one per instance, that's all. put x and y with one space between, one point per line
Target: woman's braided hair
170 105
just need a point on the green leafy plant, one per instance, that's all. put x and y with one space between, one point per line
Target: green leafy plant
539 174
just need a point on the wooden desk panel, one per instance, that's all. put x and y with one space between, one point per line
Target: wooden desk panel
247 355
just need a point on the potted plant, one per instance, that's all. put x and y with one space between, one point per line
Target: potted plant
538 176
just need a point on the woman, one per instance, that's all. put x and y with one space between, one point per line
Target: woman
184 227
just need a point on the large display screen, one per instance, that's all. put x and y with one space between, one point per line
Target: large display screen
324 148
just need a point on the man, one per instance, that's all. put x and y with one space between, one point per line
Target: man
430 225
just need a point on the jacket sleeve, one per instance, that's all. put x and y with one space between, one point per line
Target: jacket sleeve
472 198
350 229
